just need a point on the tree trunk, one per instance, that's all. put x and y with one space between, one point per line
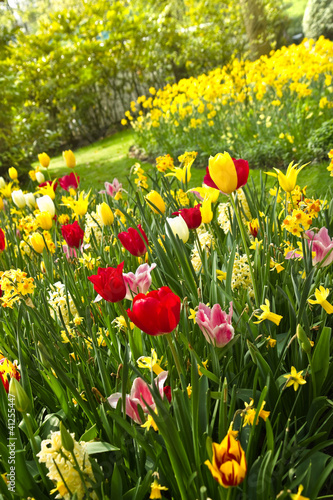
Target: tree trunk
256 27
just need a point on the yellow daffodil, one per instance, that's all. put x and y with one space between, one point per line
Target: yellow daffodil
249 413
294 378
182 174
267 314
256 244
150 422
192 315
298 496
204 364
276 266
288 180
150 362
189 390
271 342
321 296
221 275
156 489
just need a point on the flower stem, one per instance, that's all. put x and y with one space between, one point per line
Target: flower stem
246 248
175 355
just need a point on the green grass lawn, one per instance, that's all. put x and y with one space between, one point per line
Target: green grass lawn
108 158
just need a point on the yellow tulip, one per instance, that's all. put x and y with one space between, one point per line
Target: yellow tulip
288 180
44 220
223 172
206 211
37 242
44 160
12 172
105 213
69 158
154 198
228 464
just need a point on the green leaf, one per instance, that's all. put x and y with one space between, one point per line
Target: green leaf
321 358
99 447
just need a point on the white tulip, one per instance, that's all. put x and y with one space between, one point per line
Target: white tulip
178 227
2 183
45 204
30 200
40 177
18 198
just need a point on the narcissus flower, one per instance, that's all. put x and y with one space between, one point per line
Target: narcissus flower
69 158
157 312
267 314
298 496
226 173
321 295
150 362
109 283
294 378
44 160
249 413
288 180
69 181
133 242
179 227
73 234
228 466
154 199
215 324
140 395
192 216
156 489
139 282
182 174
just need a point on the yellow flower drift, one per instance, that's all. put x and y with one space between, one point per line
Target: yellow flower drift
154 198
44 160
288 180
294 378
267 314
228 464
69 158
321 296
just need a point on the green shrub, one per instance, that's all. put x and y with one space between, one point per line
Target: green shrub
318 19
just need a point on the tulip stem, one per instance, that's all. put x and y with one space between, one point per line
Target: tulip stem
174 354
246 248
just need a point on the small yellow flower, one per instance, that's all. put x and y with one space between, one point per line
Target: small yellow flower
150 422
221 275
182 174
298 496
267 314
321 296
271 342
156 488
204 364
189 390
256 244
61 489
249 413
192 315
294 378
150 362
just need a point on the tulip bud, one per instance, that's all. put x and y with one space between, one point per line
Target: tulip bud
105 213
303 340
154 198
66 439
179 227
2 183
40 177
30 200
18 198
45 204
21 399
44 160
44 220
12 172
37 242
69 158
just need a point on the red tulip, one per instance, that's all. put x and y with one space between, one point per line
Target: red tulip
109 283
192 216
157 312
2 240
73 234
69 181
133 242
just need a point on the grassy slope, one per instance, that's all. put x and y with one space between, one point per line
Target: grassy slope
108 158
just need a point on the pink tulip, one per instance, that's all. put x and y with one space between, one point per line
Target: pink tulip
138 282
215 324
140 396
112 188
322 244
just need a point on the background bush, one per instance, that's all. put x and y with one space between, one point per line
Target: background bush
318 19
